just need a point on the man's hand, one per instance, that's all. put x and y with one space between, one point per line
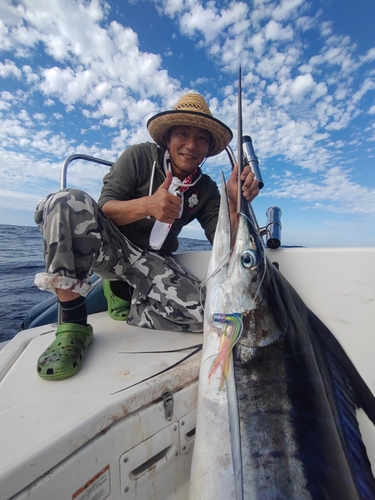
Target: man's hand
164 206
250 187
250 190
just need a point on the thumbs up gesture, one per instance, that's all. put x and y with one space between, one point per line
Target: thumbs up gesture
164 206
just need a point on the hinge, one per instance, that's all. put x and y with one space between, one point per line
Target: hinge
168 405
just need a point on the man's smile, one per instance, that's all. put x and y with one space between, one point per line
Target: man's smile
189 157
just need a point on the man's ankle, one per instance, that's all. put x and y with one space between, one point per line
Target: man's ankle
74 311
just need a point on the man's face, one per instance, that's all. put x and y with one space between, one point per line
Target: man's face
188 147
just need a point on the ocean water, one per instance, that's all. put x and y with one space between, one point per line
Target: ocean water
21 257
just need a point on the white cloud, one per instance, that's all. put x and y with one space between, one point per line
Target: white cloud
367 85
171 7
91 73
4 105
211 23
275 31
286 8
67 84
9 69
97 56
301 85
326 28
199 81
335 192
370 56
18 199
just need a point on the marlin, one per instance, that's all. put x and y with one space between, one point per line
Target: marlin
277 397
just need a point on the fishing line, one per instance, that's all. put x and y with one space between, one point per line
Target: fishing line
216 271
195 351
264 264
221 266
163 351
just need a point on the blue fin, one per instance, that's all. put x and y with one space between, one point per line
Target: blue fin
350 392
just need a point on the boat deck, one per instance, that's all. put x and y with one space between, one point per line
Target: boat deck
106 432
45 422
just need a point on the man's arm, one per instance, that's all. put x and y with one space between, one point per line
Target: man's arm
162 205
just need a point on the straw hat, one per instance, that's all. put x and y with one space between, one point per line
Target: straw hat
191 109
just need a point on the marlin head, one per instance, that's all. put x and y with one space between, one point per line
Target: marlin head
237 291
243 282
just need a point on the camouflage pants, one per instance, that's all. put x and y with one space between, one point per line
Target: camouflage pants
79 240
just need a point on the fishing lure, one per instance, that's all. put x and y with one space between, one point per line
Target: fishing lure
231 334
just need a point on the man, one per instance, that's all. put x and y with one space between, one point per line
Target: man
149 195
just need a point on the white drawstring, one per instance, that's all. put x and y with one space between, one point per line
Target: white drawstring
152 178
151 183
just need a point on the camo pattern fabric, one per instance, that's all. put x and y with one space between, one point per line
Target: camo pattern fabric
79 240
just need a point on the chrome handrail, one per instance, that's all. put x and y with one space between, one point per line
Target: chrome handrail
78 156
63 179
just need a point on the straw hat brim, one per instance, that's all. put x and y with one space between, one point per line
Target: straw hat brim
159 125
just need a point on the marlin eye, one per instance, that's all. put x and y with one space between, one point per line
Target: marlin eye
249 259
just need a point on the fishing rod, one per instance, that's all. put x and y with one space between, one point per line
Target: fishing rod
247 156
240 161
239 142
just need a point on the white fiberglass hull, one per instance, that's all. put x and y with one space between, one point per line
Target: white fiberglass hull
105 431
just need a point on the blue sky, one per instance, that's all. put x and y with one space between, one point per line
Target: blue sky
84 76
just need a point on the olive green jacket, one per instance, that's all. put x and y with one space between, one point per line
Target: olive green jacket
131 177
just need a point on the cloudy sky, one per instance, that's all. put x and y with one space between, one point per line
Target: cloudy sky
81 76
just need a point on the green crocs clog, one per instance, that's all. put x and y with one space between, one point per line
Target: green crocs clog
118 309
64 357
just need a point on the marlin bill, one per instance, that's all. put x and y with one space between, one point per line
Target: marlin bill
277 399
